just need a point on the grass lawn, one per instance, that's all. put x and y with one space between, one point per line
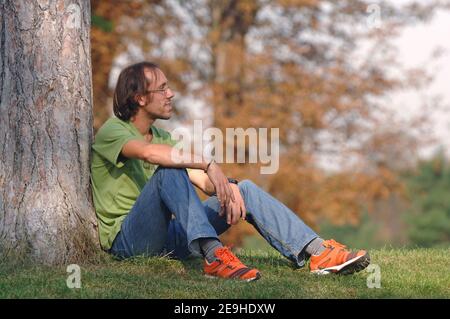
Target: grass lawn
405 273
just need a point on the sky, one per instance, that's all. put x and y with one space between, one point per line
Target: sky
415 47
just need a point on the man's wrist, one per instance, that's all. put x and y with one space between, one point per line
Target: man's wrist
230 180
207 166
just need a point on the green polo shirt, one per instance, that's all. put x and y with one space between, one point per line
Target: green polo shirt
117 181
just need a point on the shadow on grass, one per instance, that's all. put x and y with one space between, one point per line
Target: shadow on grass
166 266
250 259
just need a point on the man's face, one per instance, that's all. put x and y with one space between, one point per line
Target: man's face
157 104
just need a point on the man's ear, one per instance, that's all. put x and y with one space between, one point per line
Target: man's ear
140 99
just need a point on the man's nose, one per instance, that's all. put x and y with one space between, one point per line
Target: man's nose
170 93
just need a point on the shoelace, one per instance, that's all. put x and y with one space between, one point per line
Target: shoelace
332 243
226 255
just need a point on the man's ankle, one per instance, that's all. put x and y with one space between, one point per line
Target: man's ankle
208 247
315 247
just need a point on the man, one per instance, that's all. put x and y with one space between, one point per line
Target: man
146 203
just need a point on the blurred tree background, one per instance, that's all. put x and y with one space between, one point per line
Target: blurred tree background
295 65
429 214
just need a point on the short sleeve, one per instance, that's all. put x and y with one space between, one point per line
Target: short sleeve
110 140
161 136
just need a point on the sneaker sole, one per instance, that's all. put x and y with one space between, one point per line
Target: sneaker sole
350 267
361 264
258 275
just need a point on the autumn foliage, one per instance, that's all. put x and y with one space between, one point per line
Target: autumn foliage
287 64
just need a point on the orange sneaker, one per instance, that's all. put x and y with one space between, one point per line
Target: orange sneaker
338 260
227 265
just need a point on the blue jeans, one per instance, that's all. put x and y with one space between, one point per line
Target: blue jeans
150 229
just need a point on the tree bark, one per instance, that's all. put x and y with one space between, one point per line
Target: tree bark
46 120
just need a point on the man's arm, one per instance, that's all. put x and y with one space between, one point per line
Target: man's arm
162 154
167 156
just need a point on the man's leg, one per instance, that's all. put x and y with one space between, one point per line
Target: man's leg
144 230
281 228
223 262
149 227
284 230
177 243
287 233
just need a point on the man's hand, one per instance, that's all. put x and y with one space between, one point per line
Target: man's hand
236 209
223 190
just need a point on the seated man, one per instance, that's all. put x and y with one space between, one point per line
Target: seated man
139 184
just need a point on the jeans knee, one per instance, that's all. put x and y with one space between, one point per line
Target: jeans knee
172 171
247 186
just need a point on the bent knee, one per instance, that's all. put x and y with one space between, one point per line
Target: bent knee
171 170
247 184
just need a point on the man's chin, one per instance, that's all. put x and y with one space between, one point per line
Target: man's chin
166 117
163 116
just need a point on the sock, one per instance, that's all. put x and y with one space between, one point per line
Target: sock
208 247
315 247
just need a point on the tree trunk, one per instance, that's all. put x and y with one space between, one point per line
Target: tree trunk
46 119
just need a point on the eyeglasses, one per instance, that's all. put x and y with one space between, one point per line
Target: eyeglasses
163 91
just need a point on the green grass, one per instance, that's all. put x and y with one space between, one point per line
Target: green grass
405 273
